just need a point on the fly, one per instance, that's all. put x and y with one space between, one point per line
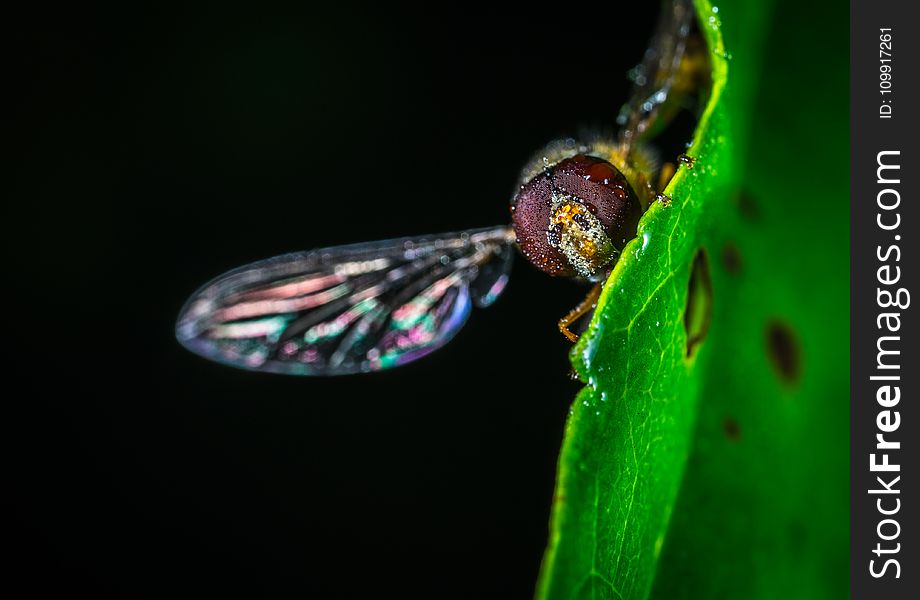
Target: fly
372 306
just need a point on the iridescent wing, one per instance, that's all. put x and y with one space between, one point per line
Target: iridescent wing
660 68
347 309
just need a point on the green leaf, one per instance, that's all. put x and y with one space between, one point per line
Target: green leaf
724 474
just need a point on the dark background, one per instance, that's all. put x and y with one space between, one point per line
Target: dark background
153 148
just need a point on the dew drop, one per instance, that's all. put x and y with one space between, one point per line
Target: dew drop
663 199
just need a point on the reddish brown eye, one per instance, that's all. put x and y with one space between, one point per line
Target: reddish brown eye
554 199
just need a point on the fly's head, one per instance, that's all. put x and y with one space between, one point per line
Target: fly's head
573 218
579 235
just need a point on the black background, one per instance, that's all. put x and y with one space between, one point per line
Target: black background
154 148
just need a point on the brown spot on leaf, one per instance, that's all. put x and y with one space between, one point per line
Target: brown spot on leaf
784 352
732 429
731 258
747 206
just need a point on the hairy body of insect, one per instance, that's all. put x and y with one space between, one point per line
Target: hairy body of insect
372 306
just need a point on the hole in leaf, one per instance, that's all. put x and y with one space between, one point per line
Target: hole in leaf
784 353
732 429
698 312
731 258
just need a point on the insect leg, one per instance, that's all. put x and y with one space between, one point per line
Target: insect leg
579 311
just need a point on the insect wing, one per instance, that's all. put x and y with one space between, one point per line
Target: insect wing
656 74
347 309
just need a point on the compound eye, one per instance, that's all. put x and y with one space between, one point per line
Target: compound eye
596 191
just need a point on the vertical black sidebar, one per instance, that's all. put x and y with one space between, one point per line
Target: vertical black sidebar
885 62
